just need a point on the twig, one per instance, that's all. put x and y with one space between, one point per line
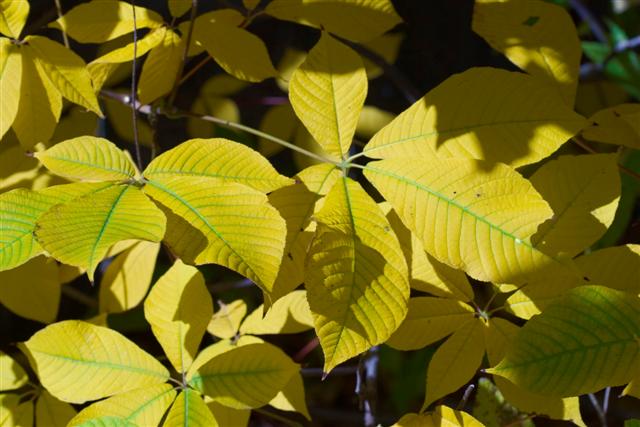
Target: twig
583 144
185 54
596 405
304 351
192 71
605 400
465 397
65 38
132 100
588 17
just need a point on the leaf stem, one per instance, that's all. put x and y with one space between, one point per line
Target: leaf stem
185 53
132 100
65 38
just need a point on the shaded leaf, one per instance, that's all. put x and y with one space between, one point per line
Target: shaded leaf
12 375
51 412
13 16
10 81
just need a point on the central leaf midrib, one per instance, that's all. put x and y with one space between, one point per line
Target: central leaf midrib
105 224
92 165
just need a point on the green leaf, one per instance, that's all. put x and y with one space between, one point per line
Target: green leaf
222 160
13 16
229 224
327 93
143 406
10 81
99 21
357 280
76 362
189 410
81 232
248 376
581 343
481 114
179 308
88 158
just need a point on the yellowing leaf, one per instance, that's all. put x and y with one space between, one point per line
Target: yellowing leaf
10 80
40 102
565 350
327 93
632 389
223 108
226 416
248 376
99 21
442 416
13 16
387 47
12 375
357 20
429 320
77 122
160 70
119 116
88 158
127 279
230 224
288 315
279 121
480 114
583 192
179 308
51 412
455 362
356 279
32 290
237 51
17 169
537 36
66 71
227 16
77 361
292 397
179 7
189 410
616 267
616 125
221 160
80 232
143 406
226 321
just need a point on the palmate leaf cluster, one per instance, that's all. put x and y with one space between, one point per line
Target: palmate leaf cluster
456 192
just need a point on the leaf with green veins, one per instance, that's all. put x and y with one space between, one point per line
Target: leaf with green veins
567 350
219 159
88 158
75 361
327 93
178 308
357 280
247 376
227 224
81 231
189 410
13 16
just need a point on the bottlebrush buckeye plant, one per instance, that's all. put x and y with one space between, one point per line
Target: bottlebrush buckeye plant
457 222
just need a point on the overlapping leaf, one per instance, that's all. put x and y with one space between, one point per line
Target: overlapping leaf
616 125
442 416
160 70
617 267
53 412
288 315
10 80
13 16
12 375
226 321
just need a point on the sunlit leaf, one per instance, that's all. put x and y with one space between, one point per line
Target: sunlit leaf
288 315
226 321
10 81
292 397
442 416
160 70
189 410
226 416
13 16
12 375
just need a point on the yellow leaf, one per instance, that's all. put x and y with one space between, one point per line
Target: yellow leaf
288 315
121 121
17 169
429 320
66 71
498 336
297 203
632 389
179 308
616 267
8 405
472 219
357 20
23 416
32 290
221 16
189 410
226 416
226 321
455 362
290 61
292 397
248 376
239 52
81 231
99 21
357 280
128 277
143 406
13 16
537 36
327 93
76 362
279 121
616 125
88 158
177 8
583 192
221 161
442 416
50 412
426 273
10 81
371 120
387 47
480 114
539 293
160 70
204 225
12 375
40 102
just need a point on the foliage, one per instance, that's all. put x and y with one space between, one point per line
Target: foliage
471 229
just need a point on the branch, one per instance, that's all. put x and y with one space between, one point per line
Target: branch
185 53
132 99
585 14
367 387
